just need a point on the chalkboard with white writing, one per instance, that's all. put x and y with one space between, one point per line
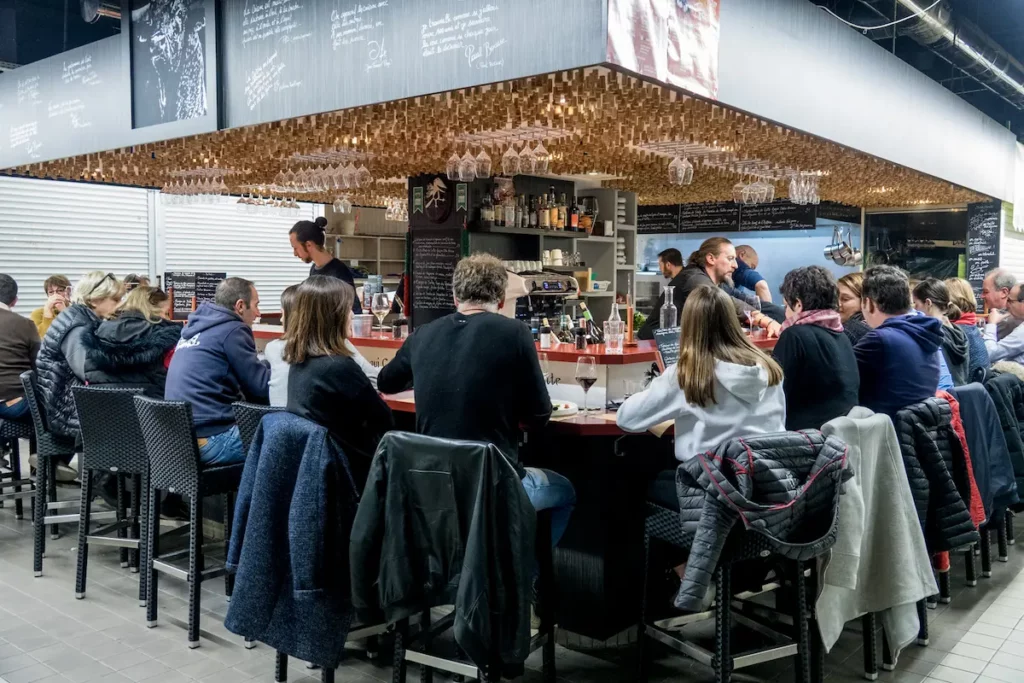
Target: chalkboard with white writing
655 219
435 253
983 232
667 341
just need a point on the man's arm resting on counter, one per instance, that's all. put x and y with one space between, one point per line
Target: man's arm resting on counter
396 376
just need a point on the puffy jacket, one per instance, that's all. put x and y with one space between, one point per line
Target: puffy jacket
289 543
904 347
130 350
990 456
54 373
979 361
446 522
957 352
1007 393
780 485
938 479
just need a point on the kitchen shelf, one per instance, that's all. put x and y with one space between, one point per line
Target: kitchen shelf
530 231
626 266
601 294
601 238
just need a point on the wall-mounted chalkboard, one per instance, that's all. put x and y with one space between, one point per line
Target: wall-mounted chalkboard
834 211
188 290
983 233
289 58
667 341
435 253
780 215
657 219
168 49
709 217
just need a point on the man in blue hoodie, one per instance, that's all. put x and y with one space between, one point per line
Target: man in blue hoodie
215 364
898 358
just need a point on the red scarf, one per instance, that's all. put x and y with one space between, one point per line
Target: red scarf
969 319
821 317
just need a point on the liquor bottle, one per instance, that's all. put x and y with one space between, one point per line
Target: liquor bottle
574 216
562 222
553 208
511 220
487 211
543 216
669 313
545 334
523 212
499 210
533 211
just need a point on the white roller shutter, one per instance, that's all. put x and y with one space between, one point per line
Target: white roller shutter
49 227
1011 248
221 238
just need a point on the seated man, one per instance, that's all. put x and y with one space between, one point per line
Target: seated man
19 344
898 359
215 364
477 378
746 274
1011 346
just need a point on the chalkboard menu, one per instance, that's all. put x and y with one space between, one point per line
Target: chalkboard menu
834 211
709 217
780 215
983 233
285 58
168 51
435 253
657 219
188 290
667 341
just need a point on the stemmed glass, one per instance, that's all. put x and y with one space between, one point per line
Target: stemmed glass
755 306
483 164
527 160
451 169
467 168
541 159
586 376
510 162
381 306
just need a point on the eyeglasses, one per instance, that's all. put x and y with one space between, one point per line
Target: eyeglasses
108 276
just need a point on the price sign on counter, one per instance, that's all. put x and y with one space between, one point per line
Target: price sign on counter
668 346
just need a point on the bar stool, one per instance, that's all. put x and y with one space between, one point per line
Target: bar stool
174 466
112 443
248 417
49 448
12 431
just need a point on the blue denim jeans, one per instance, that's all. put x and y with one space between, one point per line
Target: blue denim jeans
222 449
19 411
549 490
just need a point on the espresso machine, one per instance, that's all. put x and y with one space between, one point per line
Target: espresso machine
551 295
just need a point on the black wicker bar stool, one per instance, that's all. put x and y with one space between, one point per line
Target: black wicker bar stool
174 467
12 485
248 417
112 444
49 448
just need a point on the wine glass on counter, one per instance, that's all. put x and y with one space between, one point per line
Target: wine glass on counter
586 376
381 306
754 313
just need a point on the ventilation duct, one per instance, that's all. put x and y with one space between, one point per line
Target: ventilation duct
92 10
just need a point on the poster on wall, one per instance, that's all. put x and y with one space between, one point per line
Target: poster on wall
673 41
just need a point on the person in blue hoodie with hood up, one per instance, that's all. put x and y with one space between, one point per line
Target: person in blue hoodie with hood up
899 358
215 364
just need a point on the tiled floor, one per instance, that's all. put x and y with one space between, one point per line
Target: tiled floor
47 636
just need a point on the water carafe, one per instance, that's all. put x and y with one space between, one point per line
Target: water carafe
669 315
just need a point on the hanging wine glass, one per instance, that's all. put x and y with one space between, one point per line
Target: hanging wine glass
346 205
510 162
349 175
687 172
770 192
363 177
737 192
675 171
483 164
467 168
527 162
451 169
541 159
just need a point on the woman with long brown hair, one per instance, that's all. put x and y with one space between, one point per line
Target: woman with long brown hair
851 286
325 384
722 388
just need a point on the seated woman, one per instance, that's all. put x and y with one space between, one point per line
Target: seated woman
931 297
274 353
722 388
822 381
134 347
961 295
851 287
325 384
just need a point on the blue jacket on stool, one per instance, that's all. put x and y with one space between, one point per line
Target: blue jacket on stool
290 542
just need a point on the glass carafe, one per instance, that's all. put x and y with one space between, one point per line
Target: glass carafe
669 314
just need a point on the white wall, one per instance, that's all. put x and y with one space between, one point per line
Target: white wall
789 61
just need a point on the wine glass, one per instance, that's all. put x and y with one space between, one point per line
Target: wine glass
586 376
755 311
381 306
483 164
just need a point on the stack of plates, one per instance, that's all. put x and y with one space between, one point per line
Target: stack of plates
620 251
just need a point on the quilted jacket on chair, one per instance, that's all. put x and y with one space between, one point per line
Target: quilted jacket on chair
1007 393
785 486
938 478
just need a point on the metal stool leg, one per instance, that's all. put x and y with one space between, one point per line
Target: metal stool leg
122 515
870 647
803 632
39 514
426 673
152 548
970 567
19 510
722 659
83 532
1003 540
281 667
327 675
51 464
986 552
145 529
922 615
229 517
945 594
887 660
196 563
137 496
1010 537
398 665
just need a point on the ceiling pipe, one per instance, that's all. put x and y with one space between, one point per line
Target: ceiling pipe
92 10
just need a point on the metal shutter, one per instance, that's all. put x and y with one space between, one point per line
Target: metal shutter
1011 247
221 238
49 227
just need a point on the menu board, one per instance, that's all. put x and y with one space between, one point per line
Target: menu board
667 341
709 217
779 215
983 233
834 211
168 47
435 253
286 58
188 290
657 219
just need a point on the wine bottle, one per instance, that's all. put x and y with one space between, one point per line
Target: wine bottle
553 209
533 211
574 216
499 210
543 216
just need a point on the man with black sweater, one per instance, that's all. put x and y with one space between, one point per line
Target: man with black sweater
477 378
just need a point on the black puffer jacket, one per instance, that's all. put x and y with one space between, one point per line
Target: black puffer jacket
1007 393
54 373
785 486
938 477
130 351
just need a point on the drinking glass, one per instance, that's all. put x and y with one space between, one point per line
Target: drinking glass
467 168
527 161
541 159
363 177
675 171
509 162
614 335
755 305
380 307
586 376
451 169
483 164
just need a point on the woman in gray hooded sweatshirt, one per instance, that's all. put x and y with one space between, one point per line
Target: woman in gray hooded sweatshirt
931 297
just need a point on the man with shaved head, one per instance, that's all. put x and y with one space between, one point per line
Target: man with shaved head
746 274
995 292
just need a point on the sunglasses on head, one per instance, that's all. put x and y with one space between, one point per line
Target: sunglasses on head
108 276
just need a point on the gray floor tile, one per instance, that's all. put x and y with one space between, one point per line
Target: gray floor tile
29 674
145 670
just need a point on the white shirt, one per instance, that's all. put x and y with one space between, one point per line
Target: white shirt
279 370
1010 347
